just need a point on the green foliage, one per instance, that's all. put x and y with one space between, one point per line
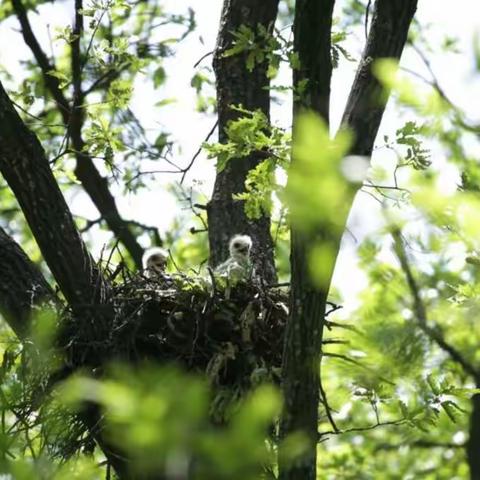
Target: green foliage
160 417
203 83
260 46
338 50
250 134
417 156
399 399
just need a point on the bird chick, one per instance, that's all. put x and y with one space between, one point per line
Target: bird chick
154 261
239 248
237 266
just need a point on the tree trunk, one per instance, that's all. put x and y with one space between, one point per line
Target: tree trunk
23 291
235 86
303 338
473 443
23 288
27 172
363 113
366 102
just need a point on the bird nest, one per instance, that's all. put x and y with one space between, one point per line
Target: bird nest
234 334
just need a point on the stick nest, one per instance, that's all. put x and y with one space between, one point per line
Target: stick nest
234 334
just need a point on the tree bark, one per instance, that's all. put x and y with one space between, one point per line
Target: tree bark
235 86
24 291
23 288
473 442
27 172
303 337
363 113
366 102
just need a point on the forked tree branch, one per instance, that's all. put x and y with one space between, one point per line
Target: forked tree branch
87 173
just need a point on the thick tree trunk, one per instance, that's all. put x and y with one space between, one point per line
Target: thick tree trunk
23 288
365 107
303 338
473 443
235 86
27 172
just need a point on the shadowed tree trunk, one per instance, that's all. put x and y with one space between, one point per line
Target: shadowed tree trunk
363 113
23 291
473 443
27 172
235 86
22 286
303 337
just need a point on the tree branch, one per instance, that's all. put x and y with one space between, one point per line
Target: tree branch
23 288
366 102
420 312
27 172
94 184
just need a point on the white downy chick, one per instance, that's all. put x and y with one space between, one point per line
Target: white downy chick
154 262
237 266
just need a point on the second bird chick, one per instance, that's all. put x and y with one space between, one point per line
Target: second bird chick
154 262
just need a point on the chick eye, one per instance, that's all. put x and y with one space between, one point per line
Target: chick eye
236 244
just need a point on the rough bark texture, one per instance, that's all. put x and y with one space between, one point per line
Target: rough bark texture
365 107
92 181
473 443
301 361
23 288
27 172
236 85
366 102
23 291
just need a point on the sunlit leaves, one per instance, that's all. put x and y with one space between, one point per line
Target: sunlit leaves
426 101
250 134
258 190
417 156
160 417
119 93
102 138
338 50
258 46
317 192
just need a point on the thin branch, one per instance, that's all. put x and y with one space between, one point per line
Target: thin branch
328 409
367 12
367 428
197 153
420 312
421 444
202 58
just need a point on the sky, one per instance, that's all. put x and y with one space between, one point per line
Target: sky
153 206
